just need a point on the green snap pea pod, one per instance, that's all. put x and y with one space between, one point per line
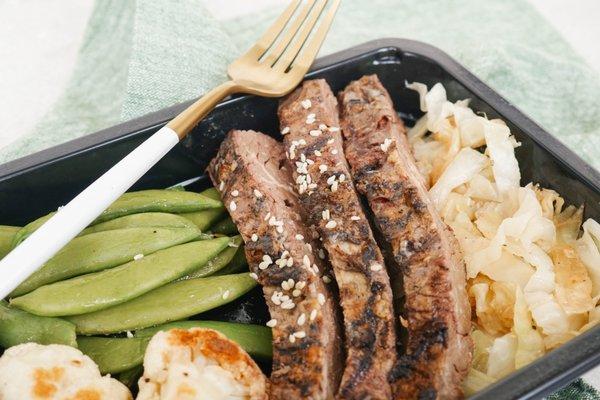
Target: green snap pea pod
113 355
18 327
130 377
99 290
28 229
7 234
255 339
171 201
219 262
205 218
101 250
225 227
211 193
143 220
177 188
153 200
237 264
172 302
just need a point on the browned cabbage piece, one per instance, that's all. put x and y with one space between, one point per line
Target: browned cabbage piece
199 363
35 371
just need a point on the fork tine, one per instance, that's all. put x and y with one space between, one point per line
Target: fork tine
305 56
294 47
269 37
278 49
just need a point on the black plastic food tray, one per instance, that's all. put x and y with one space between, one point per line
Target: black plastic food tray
39 183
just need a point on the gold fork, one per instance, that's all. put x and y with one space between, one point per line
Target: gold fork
272 67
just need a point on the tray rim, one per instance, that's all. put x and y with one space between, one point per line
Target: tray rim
546 374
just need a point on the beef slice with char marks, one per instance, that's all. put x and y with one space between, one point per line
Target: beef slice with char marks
438 352
255 185
332 209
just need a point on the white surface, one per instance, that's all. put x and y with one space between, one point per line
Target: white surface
579 23
46 241
39 40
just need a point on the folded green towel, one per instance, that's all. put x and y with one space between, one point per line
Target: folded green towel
138 57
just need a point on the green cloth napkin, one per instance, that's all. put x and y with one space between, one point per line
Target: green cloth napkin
141 56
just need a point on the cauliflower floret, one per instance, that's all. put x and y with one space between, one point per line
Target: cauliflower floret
199 364
34 371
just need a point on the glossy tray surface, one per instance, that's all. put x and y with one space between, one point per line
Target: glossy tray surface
39 183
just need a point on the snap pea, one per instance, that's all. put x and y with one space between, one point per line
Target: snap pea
101 250
7 233
237 264
211 193
225 227
113 355
153 200
255 339
130 377
219 262
205 218
138 202
172 302
18 327
143 220
99 290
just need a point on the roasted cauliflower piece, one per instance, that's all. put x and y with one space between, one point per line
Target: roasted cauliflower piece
199 364
34 371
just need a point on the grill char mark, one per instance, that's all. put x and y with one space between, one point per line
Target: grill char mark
365 294
439 349
309 367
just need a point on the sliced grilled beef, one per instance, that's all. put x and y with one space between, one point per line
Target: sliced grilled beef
255 185
438 352
310 124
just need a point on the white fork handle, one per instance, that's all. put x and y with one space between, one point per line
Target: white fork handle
70 220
